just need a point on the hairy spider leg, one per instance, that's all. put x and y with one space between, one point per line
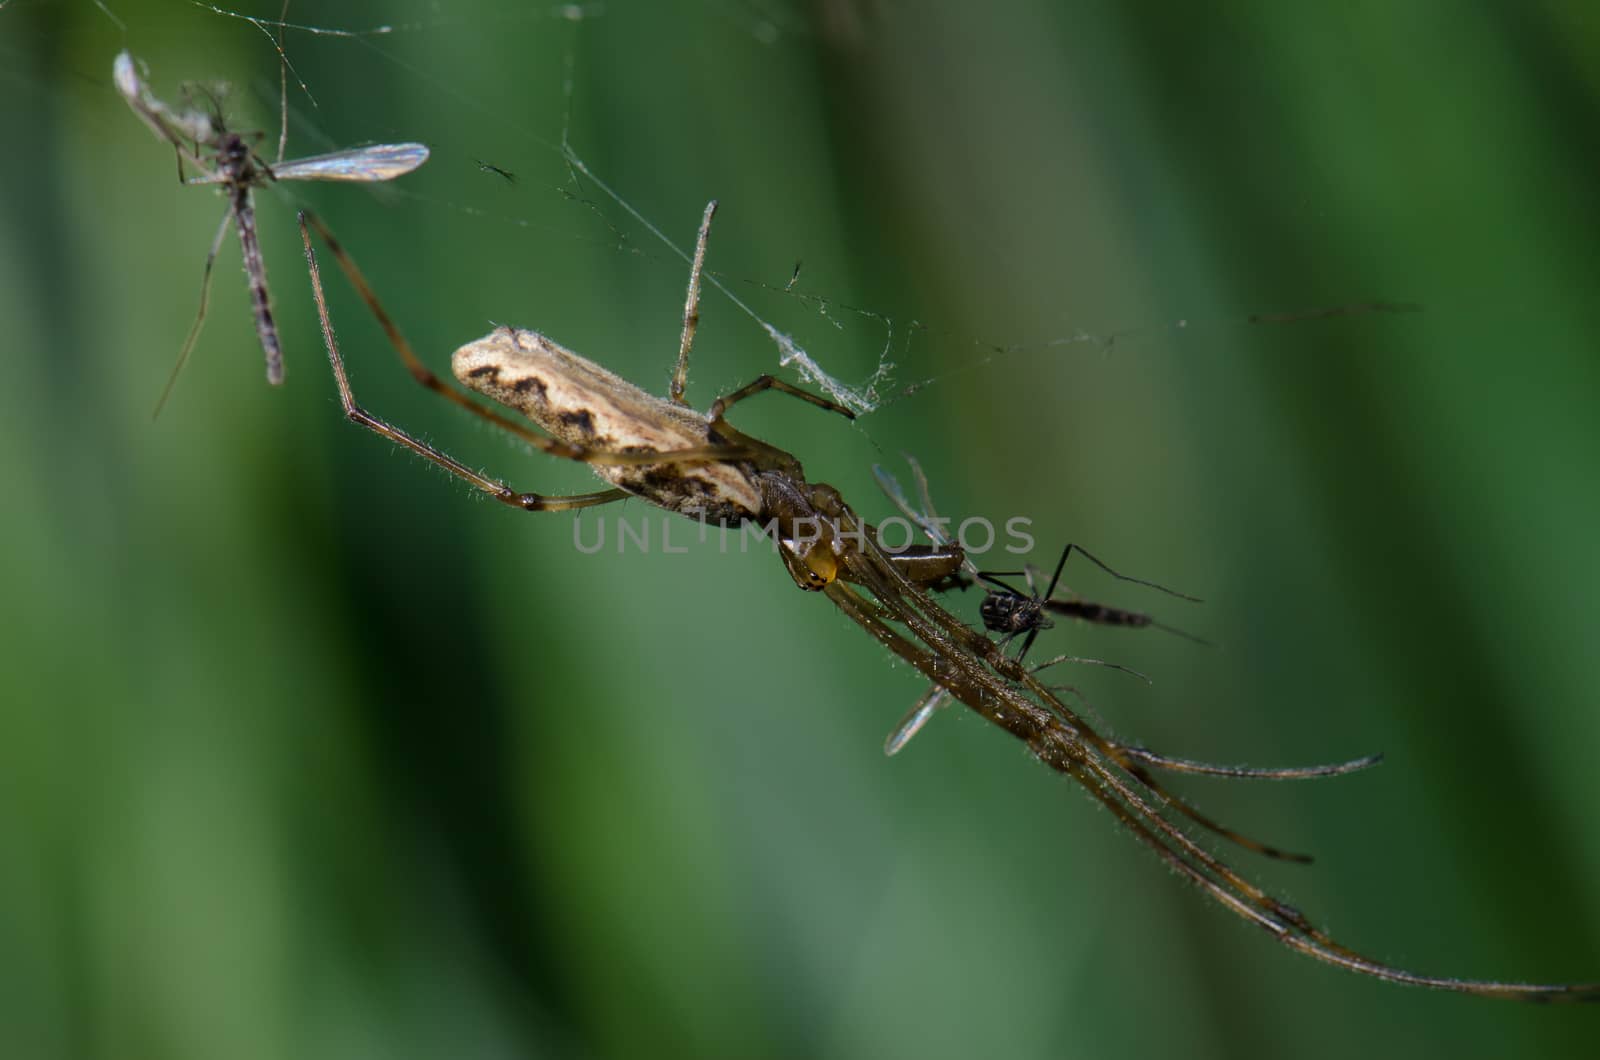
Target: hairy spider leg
973 669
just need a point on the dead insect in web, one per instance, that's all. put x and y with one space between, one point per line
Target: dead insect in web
489 167
229 159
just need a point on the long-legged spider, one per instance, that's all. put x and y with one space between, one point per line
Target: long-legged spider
229 159
698 465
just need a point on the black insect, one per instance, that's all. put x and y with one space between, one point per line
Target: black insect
1011 612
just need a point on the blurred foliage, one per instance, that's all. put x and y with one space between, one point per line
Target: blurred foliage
305 752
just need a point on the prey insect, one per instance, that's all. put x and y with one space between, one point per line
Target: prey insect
1006 610
229 159
697 464
489 167
1013 613
1009 612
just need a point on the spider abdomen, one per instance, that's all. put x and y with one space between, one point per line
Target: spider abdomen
591 409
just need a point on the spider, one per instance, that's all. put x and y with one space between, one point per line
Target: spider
660 450
229 159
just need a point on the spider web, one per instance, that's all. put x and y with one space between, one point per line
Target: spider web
861 398
909 349
812 330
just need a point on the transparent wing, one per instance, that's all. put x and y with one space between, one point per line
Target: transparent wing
366 164
184 129
919 715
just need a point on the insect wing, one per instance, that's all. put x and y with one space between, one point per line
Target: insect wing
169 125
365 164
918 716
129 83
924 520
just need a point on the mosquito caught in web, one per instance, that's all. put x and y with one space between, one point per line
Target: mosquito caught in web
228 159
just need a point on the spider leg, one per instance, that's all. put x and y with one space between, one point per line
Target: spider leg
1120 668
999 689
430 381
691 323
532 502
1210 824
1060 738
767 382
1189 765
691 307
1285 923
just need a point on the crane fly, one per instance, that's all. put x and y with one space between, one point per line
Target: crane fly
662 451
229 159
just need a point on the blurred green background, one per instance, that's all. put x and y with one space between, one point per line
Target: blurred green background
305 751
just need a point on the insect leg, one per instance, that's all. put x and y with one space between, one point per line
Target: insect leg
199 316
